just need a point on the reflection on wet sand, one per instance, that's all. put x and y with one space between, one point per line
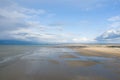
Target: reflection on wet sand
81 63
68 56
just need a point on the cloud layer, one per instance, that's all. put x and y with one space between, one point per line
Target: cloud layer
112 36
17 22
20 23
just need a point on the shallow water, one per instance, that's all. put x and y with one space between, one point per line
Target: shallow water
45 63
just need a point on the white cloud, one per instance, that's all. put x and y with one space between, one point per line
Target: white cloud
33 11
115 25
114 18
83 40
112 35
16 23
114 22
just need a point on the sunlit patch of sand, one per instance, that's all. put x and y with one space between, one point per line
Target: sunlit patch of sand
78 63
98 51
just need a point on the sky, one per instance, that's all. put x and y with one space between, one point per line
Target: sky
60 21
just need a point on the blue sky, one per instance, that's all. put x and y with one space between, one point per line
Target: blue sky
60 21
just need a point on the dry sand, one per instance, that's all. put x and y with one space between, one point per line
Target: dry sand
102 51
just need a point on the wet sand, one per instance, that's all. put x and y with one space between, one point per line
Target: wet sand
63 63
78 63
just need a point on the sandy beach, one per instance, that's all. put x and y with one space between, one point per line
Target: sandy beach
90 62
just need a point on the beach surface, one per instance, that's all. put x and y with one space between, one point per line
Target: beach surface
68 62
